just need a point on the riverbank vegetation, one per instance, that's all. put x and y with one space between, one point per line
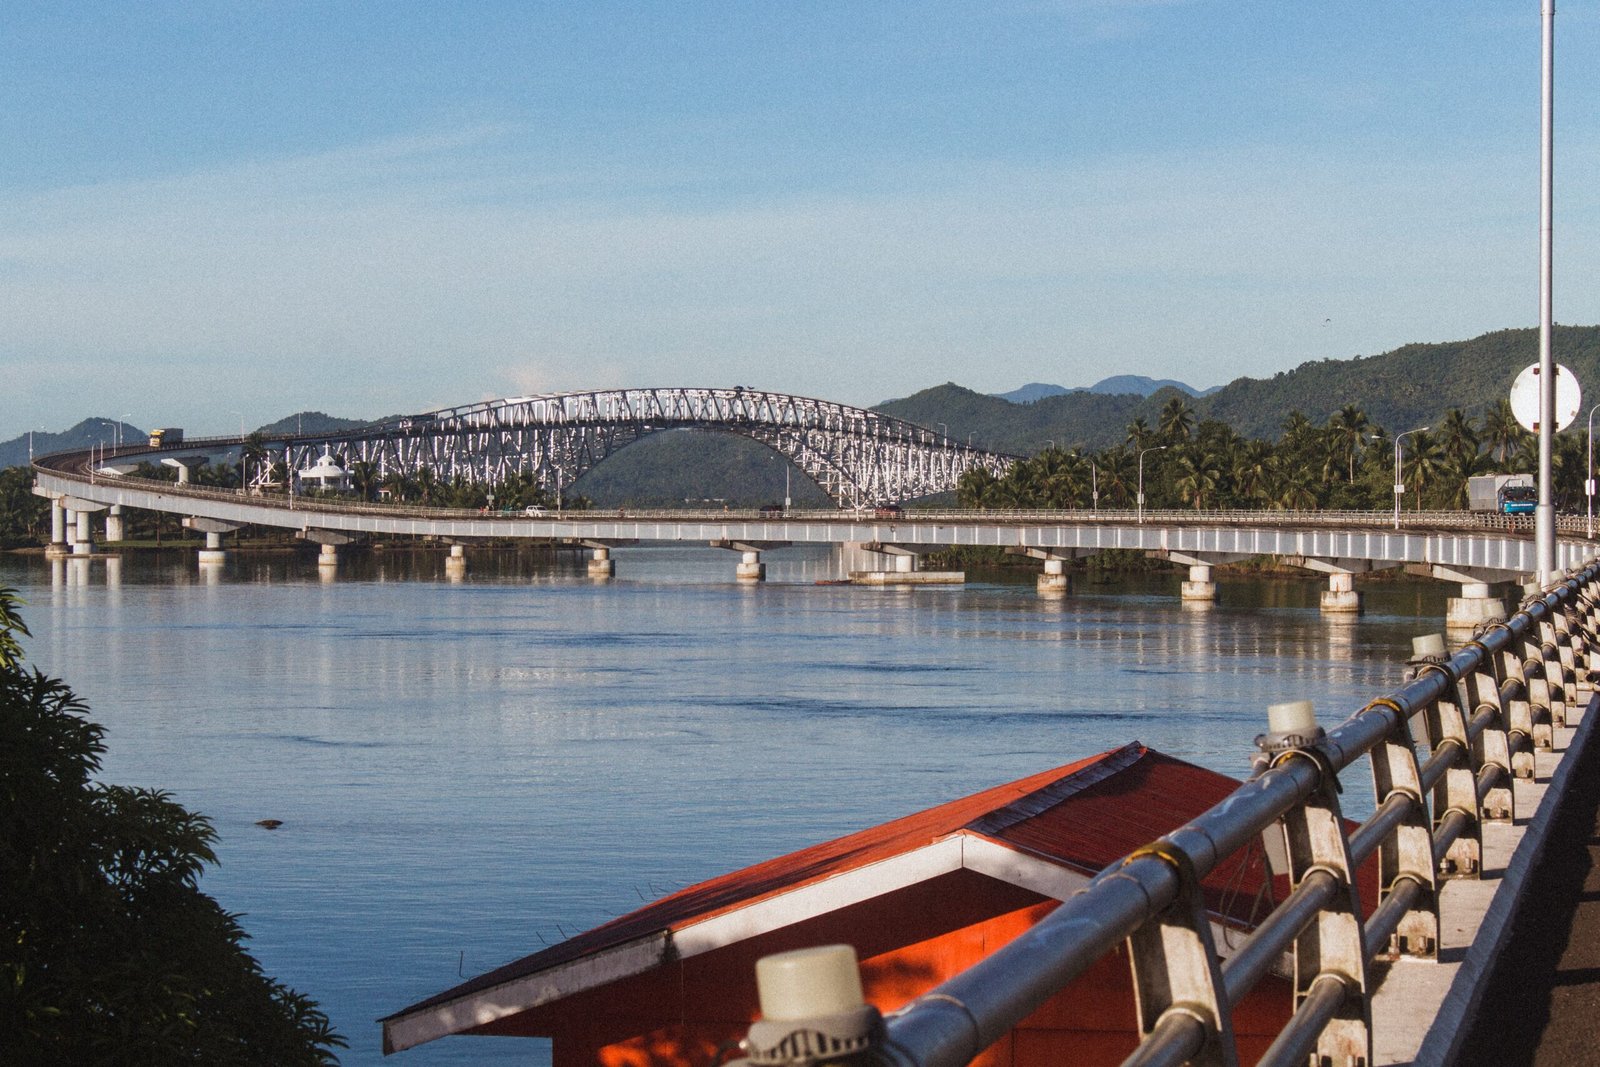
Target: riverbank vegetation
109 951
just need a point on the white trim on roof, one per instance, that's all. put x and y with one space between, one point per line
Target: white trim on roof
960 850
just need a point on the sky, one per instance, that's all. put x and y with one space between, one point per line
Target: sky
215 213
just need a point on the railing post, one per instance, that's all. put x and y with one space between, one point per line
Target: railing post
1518 700
1543 698
1176 970
1333 945
1457 789
1493 747
1407 853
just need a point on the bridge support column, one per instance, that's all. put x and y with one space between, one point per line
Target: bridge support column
1474 607
114 523
1055 579
750 568
83 535
328 556
1341 598
1199 587
906 563
601 565
455 564
59 520
213 555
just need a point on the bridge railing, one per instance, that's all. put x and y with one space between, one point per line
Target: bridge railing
76 467
1480 710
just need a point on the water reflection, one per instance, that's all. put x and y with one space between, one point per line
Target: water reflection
461 758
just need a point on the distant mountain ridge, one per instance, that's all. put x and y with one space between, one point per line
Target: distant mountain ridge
1116 385
1409 387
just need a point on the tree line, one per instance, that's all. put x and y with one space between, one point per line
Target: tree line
1344 463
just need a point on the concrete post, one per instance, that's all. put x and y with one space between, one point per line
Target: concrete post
905 564
1200 587
58 531
1473 607
213 555
1055 580
601 565
114 523
83 536
455 565
328 557
750 568
1341 598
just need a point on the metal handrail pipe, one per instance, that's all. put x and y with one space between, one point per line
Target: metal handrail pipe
952 1023
1455 821
1385 918
1239 818
1512 689
1366 838
1175 1039
1488 778
1480 722
1446 755
1256 954
1295 1041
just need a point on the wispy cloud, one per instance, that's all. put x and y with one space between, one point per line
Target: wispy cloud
436 270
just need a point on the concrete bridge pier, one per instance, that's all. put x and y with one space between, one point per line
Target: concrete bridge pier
328 555
60 517
455 564
750 568
1341 598
1054 581
82 535
905 567
114 523
1200 588
1474 607
601 565
213 555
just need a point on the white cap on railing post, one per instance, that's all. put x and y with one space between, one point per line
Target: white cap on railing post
812 1009
1290 725
1427 646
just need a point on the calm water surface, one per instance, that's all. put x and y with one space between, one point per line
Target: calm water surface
468 771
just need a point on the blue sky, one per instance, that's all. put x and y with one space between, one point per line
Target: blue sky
216 210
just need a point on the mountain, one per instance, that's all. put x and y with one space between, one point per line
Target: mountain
1117 385
1411 386
86 434
311 422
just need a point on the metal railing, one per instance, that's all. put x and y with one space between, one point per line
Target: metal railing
1482 710
74 466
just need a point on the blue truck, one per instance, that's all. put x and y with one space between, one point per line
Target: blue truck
1503 494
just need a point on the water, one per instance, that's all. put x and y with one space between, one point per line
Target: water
468 771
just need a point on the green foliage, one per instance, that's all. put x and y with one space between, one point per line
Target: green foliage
109 951
22 515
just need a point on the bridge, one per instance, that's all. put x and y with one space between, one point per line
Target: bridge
861 458
857 456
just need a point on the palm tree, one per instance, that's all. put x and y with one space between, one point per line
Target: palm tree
1177 421
1458 440
1501 431
1424 464
1139 434
1198 475
1349 428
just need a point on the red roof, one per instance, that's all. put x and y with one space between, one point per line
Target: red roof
1081 816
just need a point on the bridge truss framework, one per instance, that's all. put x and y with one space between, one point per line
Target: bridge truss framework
857 456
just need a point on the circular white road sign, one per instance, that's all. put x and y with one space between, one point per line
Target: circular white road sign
1525 398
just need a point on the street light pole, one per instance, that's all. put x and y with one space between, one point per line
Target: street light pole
1094 482
1400 486
1152 448
1544 517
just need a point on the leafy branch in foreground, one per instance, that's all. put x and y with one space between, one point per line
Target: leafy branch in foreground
109 951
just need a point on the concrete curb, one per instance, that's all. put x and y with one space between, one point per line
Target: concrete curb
1442 1045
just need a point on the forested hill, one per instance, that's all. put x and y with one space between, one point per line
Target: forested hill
1410 386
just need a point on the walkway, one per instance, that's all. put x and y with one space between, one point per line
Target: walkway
1542 1003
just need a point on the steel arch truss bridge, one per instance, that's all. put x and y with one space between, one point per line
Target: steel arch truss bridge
856 455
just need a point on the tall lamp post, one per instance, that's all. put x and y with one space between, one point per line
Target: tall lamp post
1152 448
1400 486
1094 483
1588 473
